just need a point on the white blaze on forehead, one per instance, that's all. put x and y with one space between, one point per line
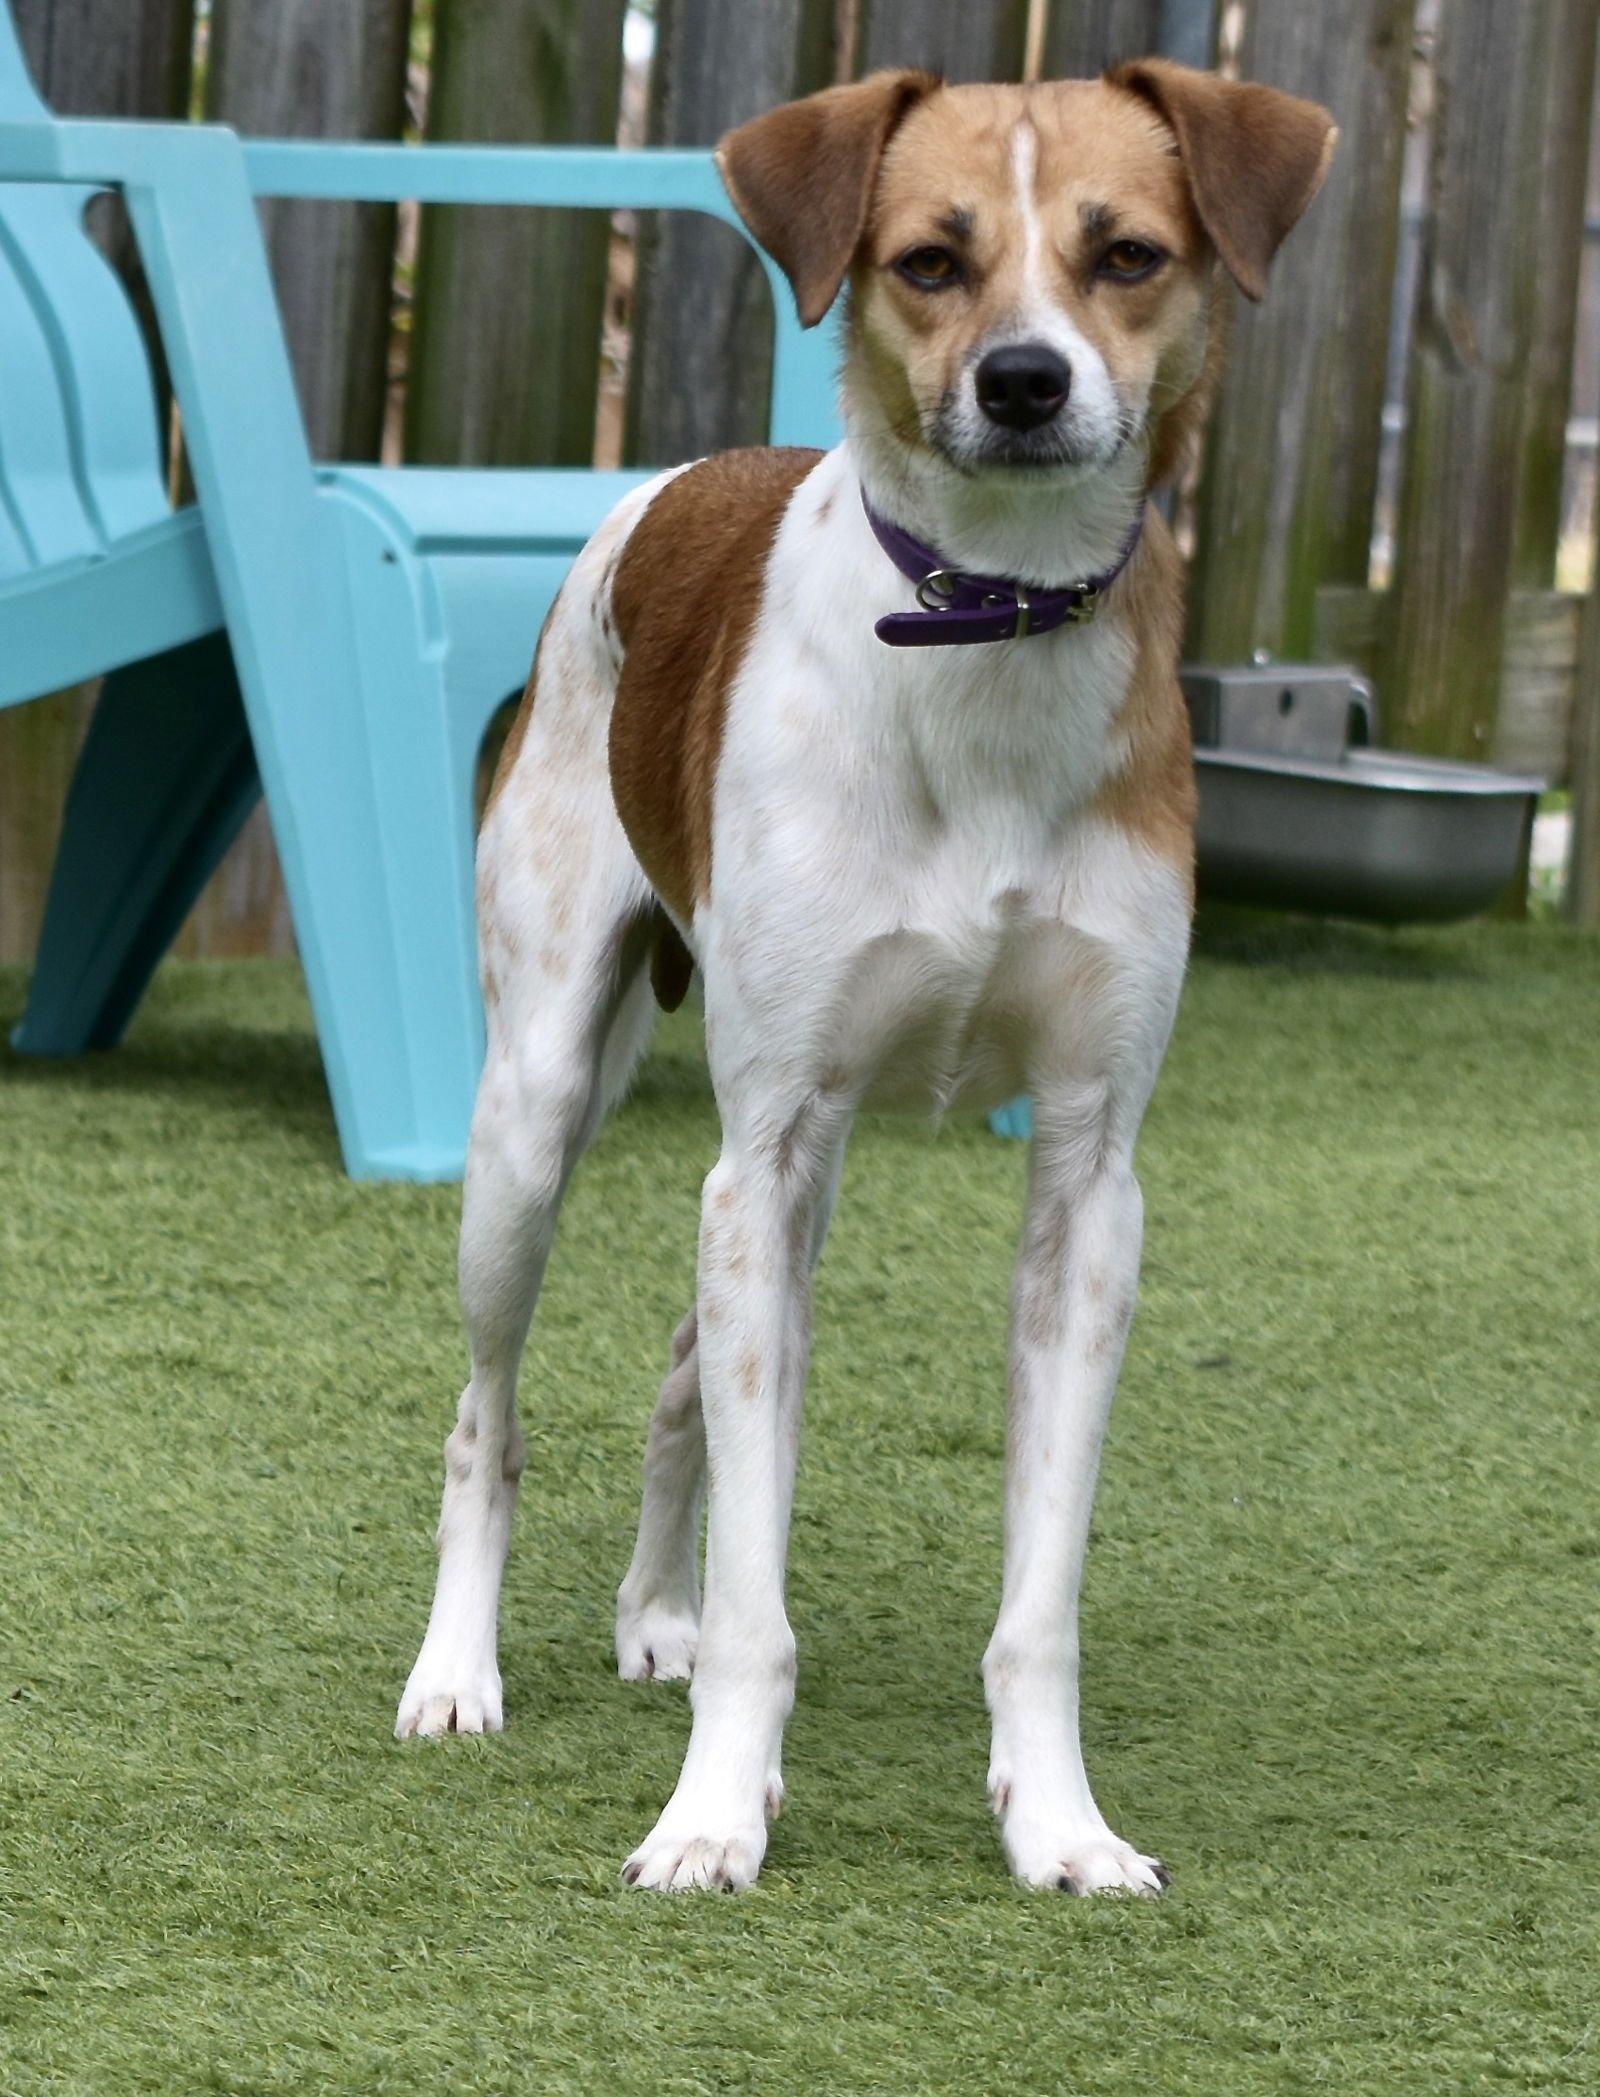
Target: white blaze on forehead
1041 317
1024 161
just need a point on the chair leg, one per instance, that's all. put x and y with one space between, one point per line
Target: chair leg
166 778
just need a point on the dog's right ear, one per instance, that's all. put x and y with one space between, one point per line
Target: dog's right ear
801 177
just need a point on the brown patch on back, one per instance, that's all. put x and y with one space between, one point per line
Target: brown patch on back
1153 796
688 591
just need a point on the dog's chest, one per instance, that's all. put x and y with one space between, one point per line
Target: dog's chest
946 784
906 842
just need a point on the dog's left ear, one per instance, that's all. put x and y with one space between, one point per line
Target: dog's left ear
801 177
1255 157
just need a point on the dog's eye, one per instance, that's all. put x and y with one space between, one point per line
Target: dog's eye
929 268
1129 260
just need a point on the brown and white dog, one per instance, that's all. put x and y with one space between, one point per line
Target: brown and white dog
911 875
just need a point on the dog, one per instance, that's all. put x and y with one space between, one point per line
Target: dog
888 742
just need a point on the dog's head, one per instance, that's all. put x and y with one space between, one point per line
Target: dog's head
1031 267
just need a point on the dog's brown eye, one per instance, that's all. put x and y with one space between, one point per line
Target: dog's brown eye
1129 260
930 267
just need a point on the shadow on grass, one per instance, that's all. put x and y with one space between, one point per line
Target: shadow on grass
1244 938
181 1047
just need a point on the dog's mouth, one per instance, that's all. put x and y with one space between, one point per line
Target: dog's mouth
1029 453
1071 441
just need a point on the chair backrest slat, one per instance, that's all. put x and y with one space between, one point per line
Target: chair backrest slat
80 449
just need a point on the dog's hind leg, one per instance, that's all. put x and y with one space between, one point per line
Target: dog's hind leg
566 923
760 1233
540 1103
658 1603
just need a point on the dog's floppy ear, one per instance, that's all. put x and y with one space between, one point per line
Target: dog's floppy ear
1255 157
801 177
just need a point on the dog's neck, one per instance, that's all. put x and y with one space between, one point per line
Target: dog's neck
1052 530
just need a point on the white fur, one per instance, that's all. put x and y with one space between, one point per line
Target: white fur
911 903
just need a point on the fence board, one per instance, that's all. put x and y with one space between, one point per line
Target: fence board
505 355
88 58
1537 669
1569 63
108 57
1083 37
1292 453
1475 325
322 69
701 369
962 39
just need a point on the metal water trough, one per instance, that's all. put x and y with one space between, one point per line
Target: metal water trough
1299 812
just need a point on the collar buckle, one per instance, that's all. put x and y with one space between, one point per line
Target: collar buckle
1014 598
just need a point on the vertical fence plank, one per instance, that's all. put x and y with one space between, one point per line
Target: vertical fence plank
1547 380
1189 31
701 369
1292 453
108 57
1083 37
88 58
962 39
505 356
1483 247
322 69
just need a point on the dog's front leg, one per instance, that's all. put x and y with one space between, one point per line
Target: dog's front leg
1072 1302
758 1228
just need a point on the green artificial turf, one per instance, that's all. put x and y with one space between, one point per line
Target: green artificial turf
1340 1622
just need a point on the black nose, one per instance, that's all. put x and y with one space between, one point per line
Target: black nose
1023 385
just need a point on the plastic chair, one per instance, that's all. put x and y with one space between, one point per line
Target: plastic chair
338 636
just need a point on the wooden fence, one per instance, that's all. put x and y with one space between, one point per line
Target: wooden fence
1467 122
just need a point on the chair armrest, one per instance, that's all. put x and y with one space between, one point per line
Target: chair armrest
111 153
595 177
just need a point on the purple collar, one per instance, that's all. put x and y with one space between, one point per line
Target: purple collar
958 607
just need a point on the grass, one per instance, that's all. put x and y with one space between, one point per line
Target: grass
1340 1623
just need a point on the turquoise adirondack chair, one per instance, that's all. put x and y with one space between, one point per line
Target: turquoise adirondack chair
338 637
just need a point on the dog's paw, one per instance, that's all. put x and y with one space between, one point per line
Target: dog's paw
656 1643
679 1856
1075 1859
1100 1867
678 1863
450 1698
